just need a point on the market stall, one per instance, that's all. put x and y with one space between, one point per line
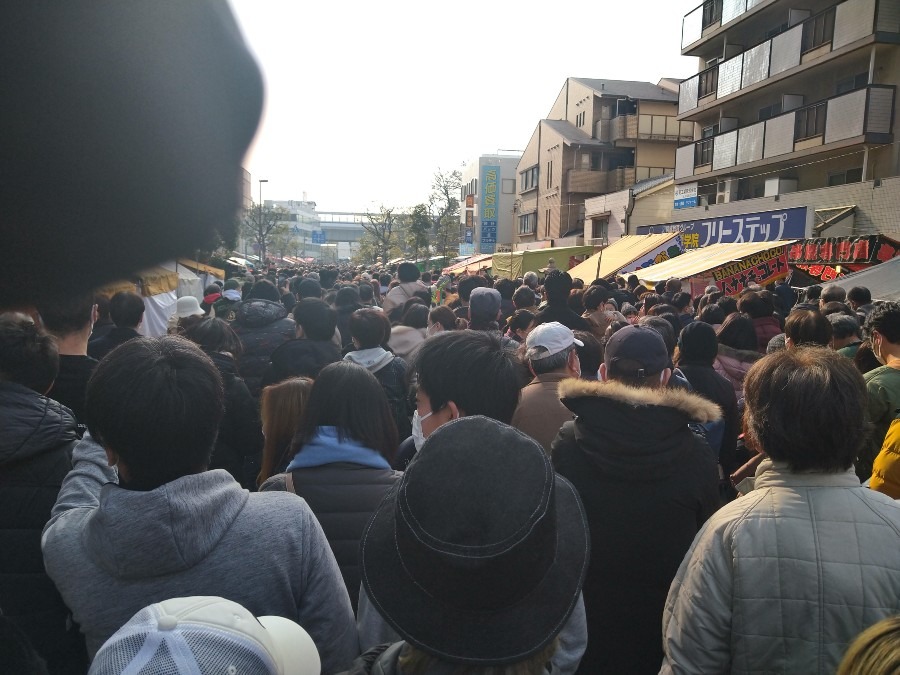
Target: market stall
883 281
827 259
731 267
515 264
158 286
627 254
470 264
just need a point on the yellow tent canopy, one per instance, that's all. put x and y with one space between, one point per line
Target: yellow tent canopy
200 267
515 264
621 254
152 281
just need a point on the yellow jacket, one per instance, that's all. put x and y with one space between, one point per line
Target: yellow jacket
886 468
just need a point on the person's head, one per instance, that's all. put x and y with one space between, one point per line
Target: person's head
442 318
859 296
754 306
590 354
661 308
369 328
636 356
630 312
682 302
469 284
531 279
66 314
506 288
552 348
102 302
523 297
712 314
315 319
776 344
126 309
415 316
407 272
212 289
649 300
384 280
187 306
836 307
309 288
347 298
844 330
366 293
478 553
737 332
214 335
154 404
520 323
281 409
673 285
832 293
484 308
28 354
347 396
697 345
666 331
264 290
813 293
199 634
806 407
426 278
465 373
595 297
576 300
557 285
883 330
807 327
875 651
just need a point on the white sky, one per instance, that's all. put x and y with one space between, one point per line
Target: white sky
365 100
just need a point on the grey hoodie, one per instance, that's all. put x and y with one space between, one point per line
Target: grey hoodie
112 551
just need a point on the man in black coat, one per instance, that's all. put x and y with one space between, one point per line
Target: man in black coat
647 483
127 311
557 285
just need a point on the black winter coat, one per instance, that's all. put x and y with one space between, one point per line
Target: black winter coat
647 484
343 496
102 346
393 380
239 443
716 388
300 357
262 326
37 436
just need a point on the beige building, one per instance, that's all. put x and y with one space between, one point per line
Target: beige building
613 215
601 136
793 108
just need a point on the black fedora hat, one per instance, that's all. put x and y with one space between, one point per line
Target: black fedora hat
478 554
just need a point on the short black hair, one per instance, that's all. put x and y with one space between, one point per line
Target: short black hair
711 314
415 316
214 335
264 290
28 354
590 355
843 326
595 296
738 332
347 396
808 327
309 288
664 328
557 284
813 292
211 289
681 300
833 293
157 403
860 295
370 328
407 272
523 297
126 309
506 288
366 292
317 319
469 284
66 313
754 306
885 318
472 369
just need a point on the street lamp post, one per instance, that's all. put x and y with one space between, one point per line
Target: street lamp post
260 230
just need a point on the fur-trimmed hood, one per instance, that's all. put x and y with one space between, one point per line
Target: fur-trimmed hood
695 407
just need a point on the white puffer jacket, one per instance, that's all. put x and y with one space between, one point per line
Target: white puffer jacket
783 579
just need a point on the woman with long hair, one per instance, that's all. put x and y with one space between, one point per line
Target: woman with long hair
342 459
737 351
281 409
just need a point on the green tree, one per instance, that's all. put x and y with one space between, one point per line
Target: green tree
418 231
263 225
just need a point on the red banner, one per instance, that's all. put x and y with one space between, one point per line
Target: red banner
762 268
842 250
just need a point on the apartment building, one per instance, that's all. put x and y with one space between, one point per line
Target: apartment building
793 108
600 136
487 197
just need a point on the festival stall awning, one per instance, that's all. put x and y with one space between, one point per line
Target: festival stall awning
515 264
200 267
471 264
883 280
731 267
641 249
827 259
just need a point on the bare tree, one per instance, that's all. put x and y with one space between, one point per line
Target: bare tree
443 204
381 231
262 225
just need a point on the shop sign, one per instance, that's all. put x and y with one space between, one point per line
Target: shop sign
761 268
740 229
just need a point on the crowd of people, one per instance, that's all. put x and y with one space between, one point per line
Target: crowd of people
424 472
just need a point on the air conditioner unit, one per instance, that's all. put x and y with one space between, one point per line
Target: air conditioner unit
726 190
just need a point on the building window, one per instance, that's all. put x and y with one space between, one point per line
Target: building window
528 179
769 111
550 174
712 12
528 223
580 119
509 186
596 158
709 132
818 30
703 152
810 121
851 83
843 177
547 224
709 82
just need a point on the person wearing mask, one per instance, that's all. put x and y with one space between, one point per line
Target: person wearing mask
552 356
557 286
647 482
140 519
805 409
882 383
342 460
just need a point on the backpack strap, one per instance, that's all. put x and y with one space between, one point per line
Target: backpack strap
289 482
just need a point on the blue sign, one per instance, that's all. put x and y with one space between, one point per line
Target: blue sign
469 239
686 203
490 202
319 237
740 229
467 249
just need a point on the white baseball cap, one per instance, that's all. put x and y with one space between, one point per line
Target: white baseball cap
195 635
552 336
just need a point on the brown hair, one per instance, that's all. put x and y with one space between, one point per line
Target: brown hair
875 651
414 661
281 410
808 327
806 407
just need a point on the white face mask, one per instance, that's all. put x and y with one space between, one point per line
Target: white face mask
417 434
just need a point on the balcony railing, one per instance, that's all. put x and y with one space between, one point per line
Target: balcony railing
710 15
869 110
827 31
650 127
